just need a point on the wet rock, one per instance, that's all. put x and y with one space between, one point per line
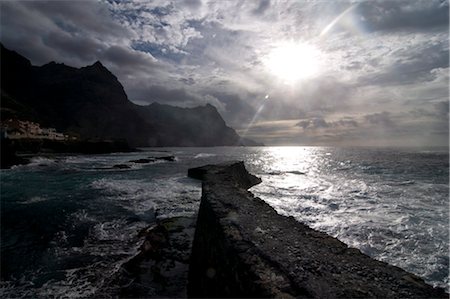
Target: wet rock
8 156
121 166
160 268
143 161
243 248
296 172
166 158
233 173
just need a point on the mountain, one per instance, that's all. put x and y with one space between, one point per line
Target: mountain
199 126
91 102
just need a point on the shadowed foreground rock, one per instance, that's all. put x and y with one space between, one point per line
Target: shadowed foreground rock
160 268
243 248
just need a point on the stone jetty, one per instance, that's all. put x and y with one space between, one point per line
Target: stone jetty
243 248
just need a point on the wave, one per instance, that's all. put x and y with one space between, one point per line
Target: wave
174 196
379 218
34 199
36 162
204 155
405 183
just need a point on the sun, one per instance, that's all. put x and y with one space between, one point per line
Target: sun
292 62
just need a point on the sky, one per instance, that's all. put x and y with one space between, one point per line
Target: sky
338 73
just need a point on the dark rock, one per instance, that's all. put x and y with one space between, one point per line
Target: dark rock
143 161
8 155
92 146
243 248
153 159
167 158
122 166
236 174
34 146
296 172
158 151
160 269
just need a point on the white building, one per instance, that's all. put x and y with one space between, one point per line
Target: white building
18 129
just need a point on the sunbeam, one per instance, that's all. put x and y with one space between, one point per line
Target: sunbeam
250 124
337 19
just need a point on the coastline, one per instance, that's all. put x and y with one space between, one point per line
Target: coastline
123 187
17 151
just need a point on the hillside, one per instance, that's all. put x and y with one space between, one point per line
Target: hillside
91 102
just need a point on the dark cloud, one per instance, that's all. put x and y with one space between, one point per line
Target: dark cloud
404 15
159 52
188 81
90 17
421 113
128 60
347 122
237 111
220 46
411 64
354 65
319 123
381 119
263 5
276 108
442 109
59 30
84 48
317 131
313 123
328 93
156 93
193 4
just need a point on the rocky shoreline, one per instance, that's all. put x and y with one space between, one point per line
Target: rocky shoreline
243 248
160 269
15 152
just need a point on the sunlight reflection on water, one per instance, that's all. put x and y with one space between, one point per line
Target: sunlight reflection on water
389 205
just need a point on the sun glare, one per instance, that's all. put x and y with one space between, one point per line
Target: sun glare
292 62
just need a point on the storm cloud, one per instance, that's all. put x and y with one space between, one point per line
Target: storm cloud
382 66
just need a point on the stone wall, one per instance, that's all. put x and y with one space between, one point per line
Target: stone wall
243 248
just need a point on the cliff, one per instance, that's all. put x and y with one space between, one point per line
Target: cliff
91 102
243 248
199 126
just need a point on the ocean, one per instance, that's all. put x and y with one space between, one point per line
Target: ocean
68 222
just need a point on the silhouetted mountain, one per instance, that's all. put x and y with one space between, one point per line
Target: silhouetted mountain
199 126
91 102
